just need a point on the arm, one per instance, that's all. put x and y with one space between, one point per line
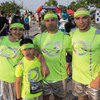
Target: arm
45 69
95 83
3 27
18 87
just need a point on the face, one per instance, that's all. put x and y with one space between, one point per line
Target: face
16 32
51 24
82 22
28 53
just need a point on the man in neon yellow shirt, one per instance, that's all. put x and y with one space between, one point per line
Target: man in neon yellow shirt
53 44
86 57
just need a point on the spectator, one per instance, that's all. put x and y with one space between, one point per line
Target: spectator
3 24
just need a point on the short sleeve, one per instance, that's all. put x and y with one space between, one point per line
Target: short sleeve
68 43
18 70
36 40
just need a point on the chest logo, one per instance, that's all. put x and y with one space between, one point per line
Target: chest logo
50 50
9 54
37 76
80 47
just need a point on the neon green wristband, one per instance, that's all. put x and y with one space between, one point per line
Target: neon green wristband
25 46
82 12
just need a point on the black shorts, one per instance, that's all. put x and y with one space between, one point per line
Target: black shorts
27 27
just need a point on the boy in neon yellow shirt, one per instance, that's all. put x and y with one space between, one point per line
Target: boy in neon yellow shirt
28 73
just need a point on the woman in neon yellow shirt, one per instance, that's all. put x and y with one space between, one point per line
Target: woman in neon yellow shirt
10 55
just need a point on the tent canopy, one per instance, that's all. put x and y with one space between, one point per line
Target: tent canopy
70 11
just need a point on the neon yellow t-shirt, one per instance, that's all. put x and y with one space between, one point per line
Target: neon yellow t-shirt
51 47
24 72
10 55
86 55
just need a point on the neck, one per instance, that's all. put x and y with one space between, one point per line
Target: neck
53 32
31 58
85 30
12 39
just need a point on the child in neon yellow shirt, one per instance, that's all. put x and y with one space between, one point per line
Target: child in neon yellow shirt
28 72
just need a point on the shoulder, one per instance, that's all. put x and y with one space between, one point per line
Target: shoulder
20 62
97 31
37 34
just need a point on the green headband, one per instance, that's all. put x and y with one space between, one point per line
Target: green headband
25 46
17 25
82 12
50 15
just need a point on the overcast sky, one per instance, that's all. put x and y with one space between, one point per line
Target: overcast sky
33 5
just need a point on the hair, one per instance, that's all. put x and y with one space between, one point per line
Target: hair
17 11
17 19
58 17
26 41
2 12
68 26
42 16
82 8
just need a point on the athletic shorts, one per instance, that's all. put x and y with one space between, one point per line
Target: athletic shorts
7 91
59 88
81 90
26 26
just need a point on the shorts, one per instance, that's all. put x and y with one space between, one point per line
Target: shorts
7 91
59 88
26 26
36 98
81 90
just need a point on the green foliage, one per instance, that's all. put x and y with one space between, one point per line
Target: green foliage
75 5
62 8
9 7
51 2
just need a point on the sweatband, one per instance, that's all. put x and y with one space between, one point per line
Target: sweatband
25 46
82 12
50 15
17 25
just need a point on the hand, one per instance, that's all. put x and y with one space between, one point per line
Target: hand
95 83
45 71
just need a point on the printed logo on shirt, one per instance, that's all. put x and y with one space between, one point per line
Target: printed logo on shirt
51 48
80 47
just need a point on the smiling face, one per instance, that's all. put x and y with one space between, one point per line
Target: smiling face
82 22
16 32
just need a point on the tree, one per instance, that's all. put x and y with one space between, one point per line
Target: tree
9 7
62 8
51 2
75 5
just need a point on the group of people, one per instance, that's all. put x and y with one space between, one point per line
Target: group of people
31 69
5 22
